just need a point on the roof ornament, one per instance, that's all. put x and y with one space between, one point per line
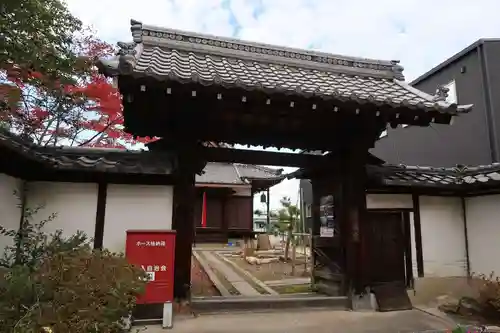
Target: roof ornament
441 93
129 48
397 69
460 170
136 29
126 48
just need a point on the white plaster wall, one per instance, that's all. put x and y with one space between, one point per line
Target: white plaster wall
443 239
483 227
74 203
390 201
10 213
135 207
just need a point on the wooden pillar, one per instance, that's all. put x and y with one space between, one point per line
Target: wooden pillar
102 194
183 221
268 211
224 221
315 212
351 208
315 225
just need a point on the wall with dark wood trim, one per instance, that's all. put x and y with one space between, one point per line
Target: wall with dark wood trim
236 211
214 212
239 213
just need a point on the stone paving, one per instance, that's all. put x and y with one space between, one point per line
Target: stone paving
213 260
306 321
238 282
288 282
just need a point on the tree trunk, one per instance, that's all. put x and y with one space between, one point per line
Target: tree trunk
288 240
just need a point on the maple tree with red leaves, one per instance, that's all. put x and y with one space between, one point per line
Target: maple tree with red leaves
82 110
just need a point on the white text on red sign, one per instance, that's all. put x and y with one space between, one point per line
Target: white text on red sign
154 268
151 243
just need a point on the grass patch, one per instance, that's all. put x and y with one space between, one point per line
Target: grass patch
253 284
294 289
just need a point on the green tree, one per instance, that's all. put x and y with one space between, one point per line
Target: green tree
288 217
258 212
38 35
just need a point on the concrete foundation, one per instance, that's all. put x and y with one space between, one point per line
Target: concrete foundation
428 289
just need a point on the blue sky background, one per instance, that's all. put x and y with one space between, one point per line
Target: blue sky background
420 33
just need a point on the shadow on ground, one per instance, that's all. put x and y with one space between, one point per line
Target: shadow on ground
319 321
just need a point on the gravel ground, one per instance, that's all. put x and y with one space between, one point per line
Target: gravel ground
200 283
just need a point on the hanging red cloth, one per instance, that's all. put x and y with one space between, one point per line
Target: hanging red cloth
204 211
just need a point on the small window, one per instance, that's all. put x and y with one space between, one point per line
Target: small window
452 92
308 210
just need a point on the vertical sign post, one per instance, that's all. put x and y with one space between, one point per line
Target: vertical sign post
204 210
327 216
154 251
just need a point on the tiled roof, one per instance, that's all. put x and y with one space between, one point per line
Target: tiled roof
219 173
459 177
89 159
188 57
111 160
19 146
132 162
371 159
257 172
238 174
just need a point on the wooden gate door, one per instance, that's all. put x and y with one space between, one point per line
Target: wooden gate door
385 243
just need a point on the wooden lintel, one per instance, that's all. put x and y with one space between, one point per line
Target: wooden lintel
247 156
223 185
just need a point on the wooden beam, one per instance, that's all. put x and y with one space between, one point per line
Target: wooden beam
230 186
102 194
237 115
418 235
247 156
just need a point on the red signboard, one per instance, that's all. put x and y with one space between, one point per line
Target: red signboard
154 251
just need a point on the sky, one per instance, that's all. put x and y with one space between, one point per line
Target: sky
419 33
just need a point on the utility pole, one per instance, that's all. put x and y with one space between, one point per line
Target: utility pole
268 212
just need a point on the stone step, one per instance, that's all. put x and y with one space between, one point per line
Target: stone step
263 302
329 288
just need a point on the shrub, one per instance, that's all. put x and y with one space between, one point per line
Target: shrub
48 281
76 291
489 294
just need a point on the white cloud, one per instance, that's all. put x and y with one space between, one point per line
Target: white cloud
420 33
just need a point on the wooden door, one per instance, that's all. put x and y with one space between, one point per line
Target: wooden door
385 247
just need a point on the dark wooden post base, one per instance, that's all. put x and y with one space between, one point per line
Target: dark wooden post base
183 219
339 259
